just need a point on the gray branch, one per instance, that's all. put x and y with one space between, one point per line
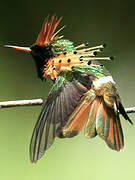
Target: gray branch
33 102
130 110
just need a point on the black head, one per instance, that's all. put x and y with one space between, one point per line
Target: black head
41 55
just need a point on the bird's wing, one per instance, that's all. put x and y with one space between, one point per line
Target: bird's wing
60 103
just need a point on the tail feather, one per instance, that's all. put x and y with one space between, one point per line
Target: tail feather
105 122
115 139
90 130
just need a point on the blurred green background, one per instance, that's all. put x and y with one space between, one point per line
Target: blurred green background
111 22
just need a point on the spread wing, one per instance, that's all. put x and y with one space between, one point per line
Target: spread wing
60 103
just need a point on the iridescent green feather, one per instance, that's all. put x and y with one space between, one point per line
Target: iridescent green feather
62 46
96 70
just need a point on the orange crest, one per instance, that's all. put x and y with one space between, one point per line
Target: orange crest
47 34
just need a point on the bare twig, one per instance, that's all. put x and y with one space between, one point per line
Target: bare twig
33 102
130 110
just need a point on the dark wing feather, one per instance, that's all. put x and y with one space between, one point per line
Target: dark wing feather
60 103
123 112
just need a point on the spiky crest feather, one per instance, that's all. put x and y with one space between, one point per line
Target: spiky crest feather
46 34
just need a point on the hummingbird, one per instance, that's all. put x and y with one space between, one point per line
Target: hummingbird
83 94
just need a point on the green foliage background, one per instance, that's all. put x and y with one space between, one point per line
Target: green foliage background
111 22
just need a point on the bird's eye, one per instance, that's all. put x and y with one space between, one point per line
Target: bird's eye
47 48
